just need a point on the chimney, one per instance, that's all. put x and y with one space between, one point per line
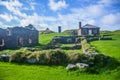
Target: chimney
79 25
59 29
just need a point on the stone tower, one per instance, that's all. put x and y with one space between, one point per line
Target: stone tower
80 25
59 29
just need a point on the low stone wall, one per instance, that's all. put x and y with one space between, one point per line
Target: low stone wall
66 39
86 47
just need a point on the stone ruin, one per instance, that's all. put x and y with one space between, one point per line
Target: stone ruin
18 37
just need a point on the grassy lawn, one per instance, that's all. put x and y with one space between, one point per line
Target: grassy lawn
70 51
109 47
10 71
67 45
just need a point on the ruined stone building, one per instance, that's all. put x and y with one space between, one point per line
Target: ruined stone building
18 36
88 29
76 33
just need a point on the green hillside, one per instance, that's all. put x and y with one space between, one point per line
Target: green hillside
109 47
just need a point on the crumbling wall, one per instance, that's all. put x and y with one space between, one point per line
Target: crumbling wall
18 36
65 39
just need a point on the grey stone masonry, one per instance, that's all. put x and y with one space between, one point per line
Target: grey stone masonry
18 37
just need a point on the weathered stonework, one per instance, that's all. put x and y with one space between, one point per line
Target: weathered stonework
65 39
18 36
88 30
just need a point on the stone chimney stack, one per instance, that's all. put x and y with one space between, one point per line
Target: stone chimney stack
80 25
59 29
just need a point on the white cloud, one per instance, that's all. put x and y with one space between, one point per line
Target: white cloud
91 21
4 26
32 5
30 20
8 17
14 6
11 5
92 11
110 22
40 22
57 5
87 15
92 14
111 19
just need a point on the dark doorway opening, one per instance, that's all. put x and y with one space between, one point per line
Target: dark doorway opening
20 41
2 42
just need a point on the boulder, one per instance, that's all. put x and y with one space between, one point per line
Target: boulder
82 65
5 57
91 54
71 67
32 60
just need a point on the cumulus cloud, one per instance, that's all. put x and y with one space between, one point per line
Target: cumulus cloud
14 6
11 5
3 25
111 19
94 14
40 22
57 5
8 17
32 4
86 15
89 11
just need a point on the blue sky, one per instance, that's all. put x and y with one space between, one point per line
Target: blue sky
66 13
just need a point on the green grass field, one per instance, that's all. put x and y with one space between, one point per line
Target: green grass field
11 71
44 39
109 47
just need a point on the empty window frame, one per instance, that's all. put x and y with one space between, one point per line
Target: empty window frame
8 32
30 41
20 41
2 42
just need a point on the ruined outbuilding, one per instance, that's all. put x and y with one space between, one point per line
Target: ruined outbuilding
88 29
18 37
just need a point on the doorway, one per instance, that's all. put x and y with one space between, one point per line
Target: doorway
20 41
90 32
2 42
30 41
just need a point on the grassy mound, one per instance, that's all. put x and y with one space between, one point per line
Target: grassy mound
46 31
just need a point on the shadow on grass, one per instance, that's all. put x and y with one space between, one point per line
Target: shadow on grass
38 46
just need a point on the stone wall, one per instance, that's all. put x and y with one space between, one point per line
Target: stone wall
65 39
18 36
85 31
